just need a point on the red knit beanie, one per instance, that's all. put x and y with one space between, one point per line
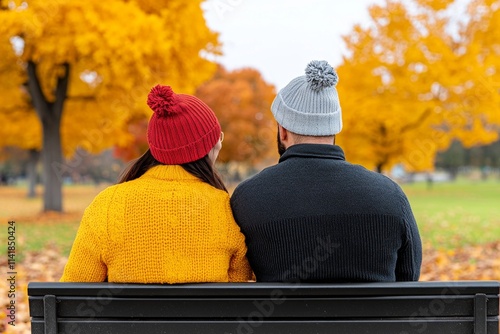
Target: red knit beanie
182 129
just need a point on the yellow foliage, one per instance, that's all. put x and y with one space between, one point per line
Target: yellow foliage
408 89
116 51
435 4
20 127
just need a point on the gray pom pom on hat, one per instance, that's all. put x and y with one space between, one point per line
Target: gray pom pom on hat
309 105
319 75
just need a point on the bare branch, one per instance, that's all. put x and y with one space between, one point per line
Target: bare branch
61 90
416 124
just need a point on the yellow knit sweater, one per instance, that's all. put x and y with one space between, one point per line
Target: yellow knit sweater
165 227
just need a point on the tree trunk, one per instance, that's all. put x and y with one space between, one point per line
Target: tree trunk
453 173
34 156
52 158
50 114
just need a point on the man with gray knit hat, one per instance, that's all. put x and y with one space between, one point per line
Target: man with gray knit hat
314 217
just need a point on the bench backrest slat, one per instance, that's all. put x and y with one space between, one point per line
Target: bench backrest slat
269 327
415 307
265 289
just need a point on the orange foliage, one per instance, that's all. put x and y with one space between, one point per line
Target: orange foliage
138 146
242 100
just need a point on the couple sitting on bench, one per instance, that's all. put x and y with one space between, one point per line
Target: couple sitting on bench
313 217
310 230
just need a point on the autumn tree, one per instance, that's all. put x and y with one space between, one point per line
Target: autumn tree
480 52
406 87
84 68
242 100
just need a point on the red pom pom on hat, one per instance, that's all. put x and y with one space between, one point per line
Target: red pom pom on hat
161 99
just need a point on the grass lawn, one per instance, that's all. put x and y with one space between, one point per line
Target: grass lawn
449 215
35 230
455 214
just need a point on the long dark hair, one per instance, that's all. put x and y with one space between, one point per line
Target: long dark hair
202 168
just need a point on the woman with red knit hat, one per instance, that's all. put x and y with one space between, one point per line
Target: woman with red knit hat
168 220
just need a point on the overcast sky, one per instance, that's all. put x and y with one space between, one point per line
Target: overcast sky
279 37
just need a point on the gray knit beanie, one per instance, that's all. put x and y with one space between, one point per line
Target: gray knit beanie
309 105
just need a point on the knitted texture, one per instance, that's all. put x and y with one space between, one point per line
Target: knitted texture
165 227
182 128
309 105
315 217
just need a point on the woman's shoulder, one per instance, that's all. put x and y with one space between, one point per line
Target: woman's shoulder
204 189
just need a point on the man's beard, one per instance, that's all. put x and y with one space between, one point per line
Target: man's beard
281 147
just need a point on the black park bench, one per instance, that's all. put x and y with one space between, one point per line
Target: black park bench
456 307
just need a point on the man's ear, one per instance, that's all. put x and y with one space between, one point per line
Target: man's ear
283 133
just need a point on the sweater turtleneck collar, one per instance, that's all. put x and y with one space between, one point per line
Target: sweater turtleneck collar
321 151
169 172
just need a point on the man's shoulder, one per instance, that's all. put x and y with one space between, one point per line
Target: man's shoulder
361 170
257 180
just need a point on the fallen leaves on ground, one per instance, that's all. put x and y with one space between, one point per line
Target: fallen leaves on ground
39 266
468 263
480 262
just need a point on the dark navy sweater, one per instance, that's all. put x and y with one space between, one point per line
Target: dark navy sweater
314 217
